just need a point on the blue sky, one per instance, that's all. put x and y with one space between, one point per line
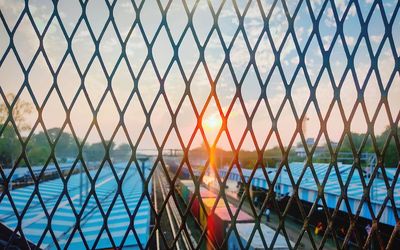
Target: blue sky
262 71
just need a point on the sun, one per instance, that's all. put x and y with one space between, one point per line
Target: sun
212 122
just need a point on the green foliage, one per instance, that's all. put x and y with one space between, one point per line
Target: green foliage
10 147
19 110
121 153
66 146
272 157
95 151
357 140
248 159
38 155
392 154
38 149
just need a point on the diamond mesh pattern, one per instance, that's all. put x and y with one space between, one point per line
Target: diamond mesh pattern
218 50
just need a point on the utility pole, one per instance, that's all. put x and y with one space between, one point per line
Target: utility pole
143 160
304 126
80 184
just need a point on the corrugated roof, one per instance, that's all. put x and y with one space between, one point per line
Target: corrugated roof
64 220
20 172
308 190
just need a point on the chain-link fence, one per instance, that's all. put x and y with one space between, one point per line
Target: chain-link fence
200 124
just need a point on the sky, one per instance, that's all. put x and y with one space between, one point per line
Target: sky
139 71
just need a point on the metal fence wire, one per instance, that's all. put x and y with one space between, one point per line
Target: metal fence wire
320 44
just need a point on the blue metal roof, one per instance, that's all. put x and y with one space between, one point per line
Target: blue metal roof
308 190
64 220
20 172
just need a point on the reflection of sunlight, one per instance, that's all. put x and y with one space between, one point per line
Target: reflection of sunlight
211 124
209 179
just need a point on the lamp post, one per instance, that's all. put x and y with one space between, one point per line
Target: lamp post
143 160
81 188
80 184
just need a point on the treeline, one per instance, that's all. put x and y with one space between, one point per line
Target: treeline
247 158
271 157
364 144
38 149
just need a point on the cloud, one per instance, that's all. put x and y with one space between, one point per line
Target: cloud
12 11
350 40
375 38
200 86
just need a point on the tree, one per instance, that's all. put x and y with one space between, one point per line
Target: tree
38 149
95 151
66 146
122 152
38 155
19 110
391 156
357 141
392 153
10 147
